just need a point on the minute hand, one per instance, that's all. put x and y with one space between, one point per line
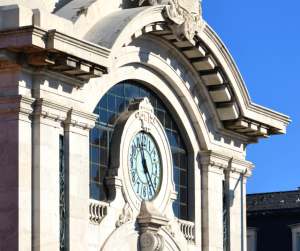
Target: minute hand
145 163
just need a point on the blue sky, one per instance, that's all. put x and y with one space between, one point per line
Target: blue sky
263 38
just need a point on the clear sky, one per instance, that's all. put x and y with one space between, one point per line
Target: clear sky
263 37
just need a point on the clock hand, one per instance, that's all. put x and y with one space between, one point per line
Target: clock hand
145 163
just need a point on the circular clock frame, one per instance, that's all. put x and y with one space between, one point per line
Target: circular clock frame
152 183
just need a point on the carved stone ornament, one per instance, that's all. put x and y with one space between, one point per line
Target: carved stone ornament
126 216
150 221
145 114
186 17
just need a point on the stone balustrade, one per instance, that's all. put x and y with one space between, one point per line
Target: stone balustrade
97 212
186 227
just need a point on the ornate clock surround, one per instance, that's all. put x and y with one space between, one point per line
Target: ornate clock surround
139 117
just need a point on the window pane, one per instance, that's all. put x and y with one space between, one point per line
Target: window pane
175 156
168 135
143 93
177 190
96 110
103 174
183 179
128 91
176 209
167 121
103 138
183 161
161 117
181 143
95 136
95 191
183 213
152 100
95 154
119 104
182 195
127 105
95 173
112 90
111 103
119 90
103 156
160 105
103 102
175 139
103 117
103 192
176 176
111 119
135 91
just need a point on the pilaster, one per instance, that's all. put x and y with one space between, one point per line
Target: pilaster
15 172
212 166
47 126
77 126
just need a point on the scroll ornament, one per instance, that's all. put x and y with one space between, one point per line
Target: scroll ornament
185 15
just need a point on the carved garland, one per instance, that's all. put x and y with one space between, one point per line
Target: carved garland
185 15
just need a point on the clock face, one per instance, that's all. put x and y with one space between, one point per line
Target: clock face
144 166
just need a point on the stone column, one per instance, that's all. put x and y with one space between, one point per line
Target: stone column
47 127
212 166
77 128
194 193
235 181
15 172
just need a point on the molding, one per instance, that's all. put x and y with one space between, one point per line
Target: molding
126 216
18 104
80 119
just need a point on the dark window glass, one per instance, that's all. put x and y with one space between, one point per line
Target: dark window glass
168 123
95 154
175 156
103 156
183 213
119 90
135 91
183 180
119 105
103 174
95 173
95 136
183 161
103 138
176 209
109 108
111 103
95 191
112 90
175 142
103 102
161 117
103 117
182 195
177 190
176 175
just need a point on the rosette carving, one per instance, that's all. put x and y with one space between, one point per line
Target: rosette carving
185 17
126 216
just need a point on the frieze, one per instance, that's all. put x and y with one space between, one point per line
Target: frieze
185 16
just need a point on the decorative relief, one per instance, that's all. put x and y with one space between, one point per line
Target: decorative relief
218 164
97 212
186 17
152 242
169 229
145 114
186 227
126 216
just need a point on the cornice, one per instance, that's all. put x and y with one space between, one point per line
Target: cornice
16 104
77 118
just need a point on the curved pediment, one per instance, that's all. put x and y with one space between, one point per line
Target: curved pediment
207 56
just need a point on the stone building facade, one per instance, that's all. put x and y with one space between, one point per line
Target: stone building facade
124 126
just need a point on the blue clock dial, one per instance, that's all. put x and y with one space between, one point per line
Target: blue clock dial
144 166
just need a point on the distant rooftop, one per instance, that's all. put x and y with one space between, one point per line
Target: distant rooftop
273 201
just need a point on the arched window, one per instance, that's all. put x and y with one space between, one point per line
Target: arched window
110 107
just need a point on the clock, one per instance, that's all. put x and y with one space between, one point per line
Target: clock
144 166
